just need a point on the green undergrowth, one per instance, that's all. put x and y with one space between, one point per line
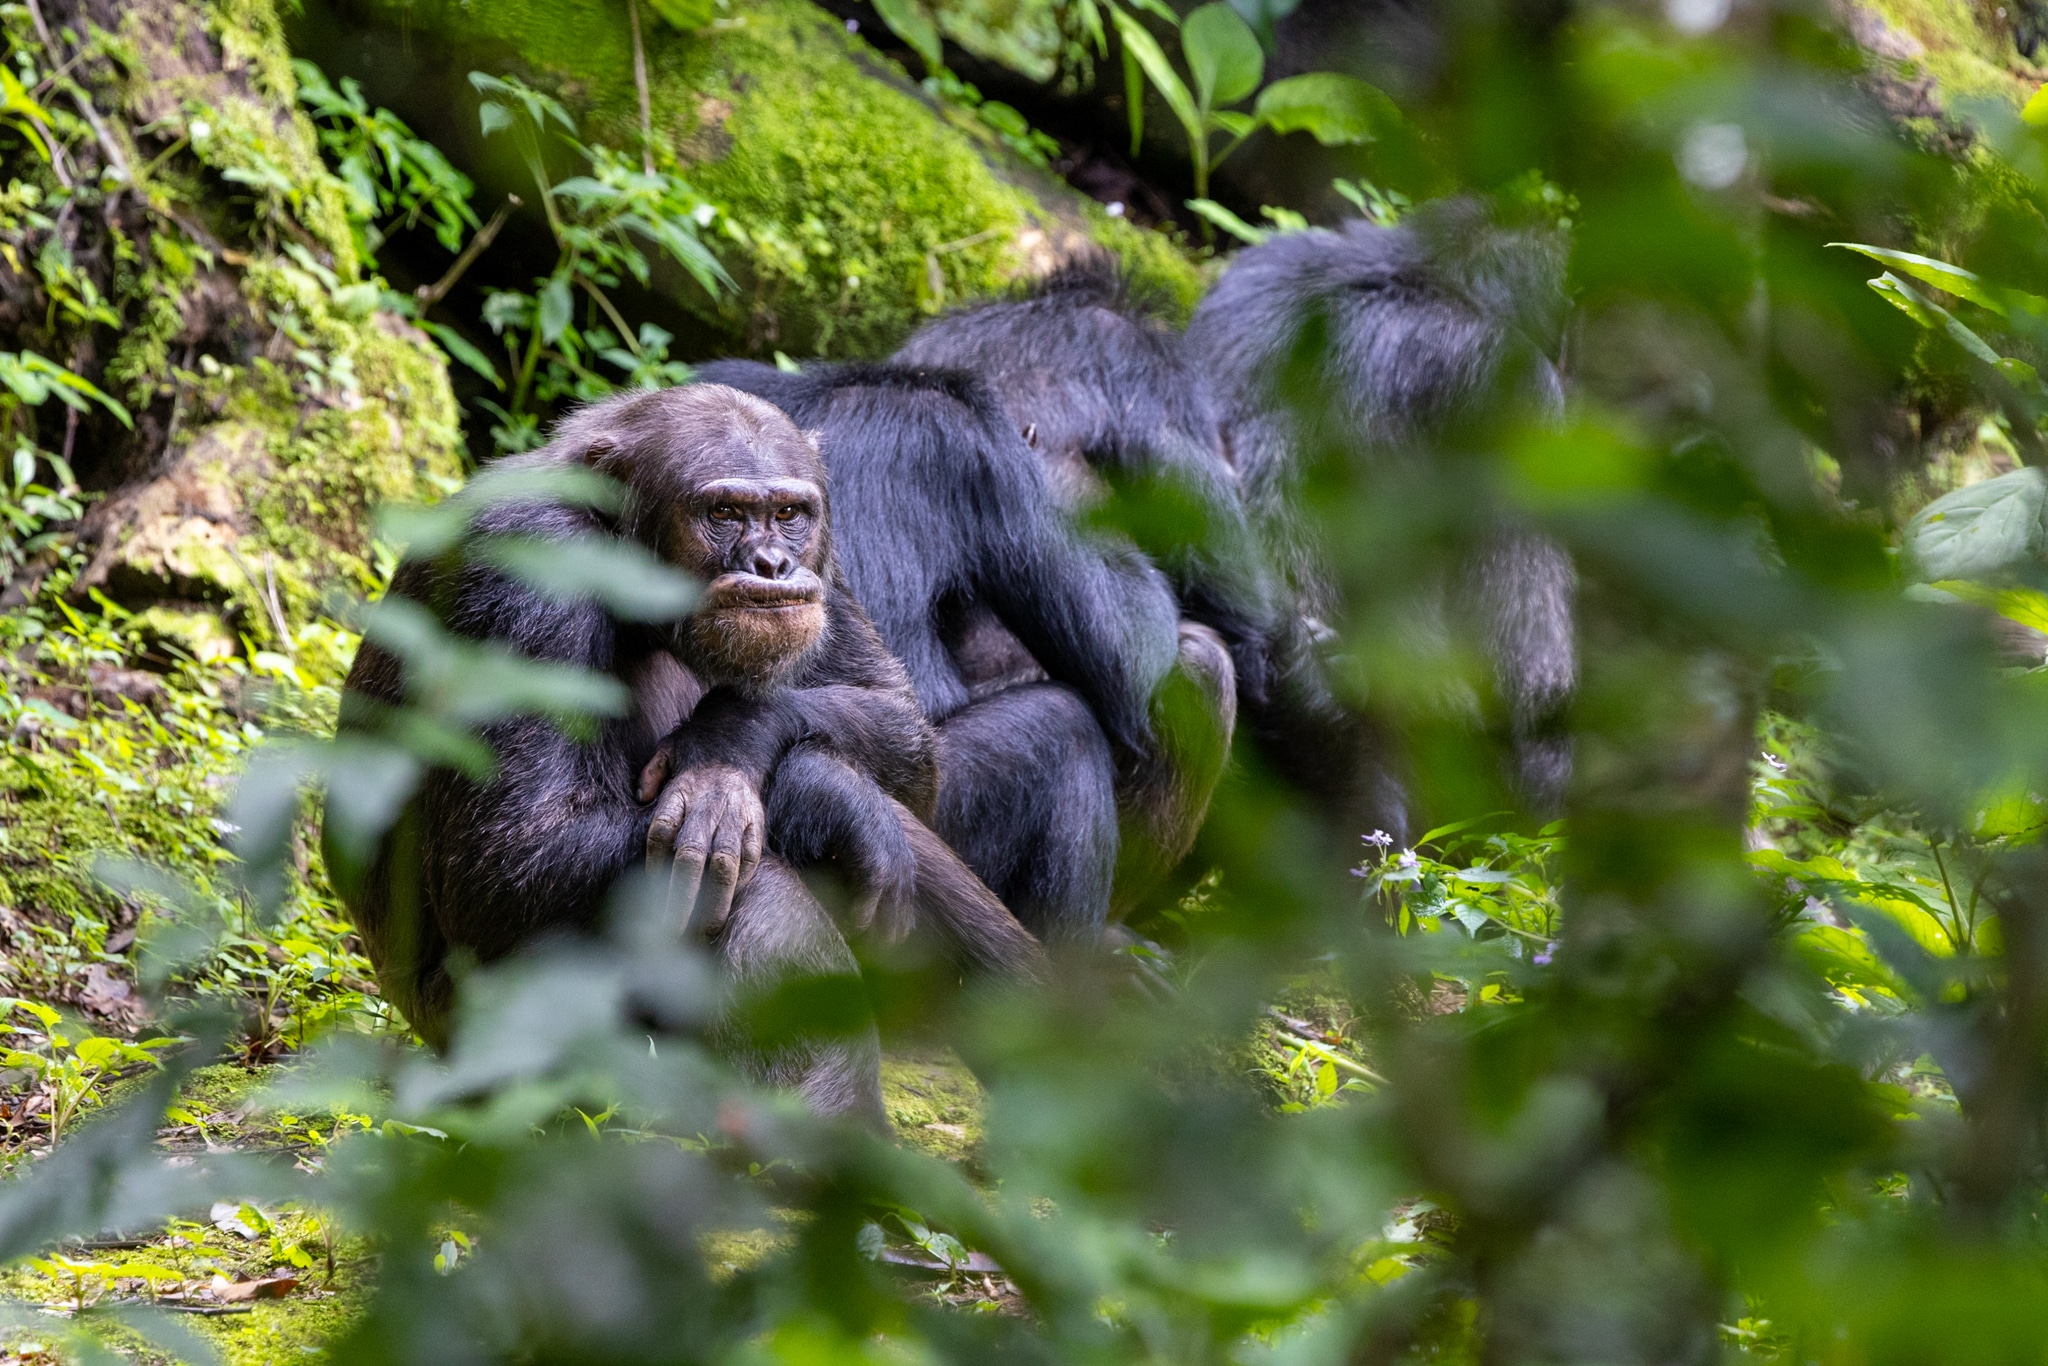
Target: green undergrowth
318 1276
112 841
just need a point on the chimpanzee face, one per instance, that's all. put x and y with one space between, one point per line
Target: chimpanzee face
767 528
759 544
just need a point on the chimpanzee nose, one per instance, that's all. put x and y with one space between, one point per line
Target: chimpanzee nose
773 562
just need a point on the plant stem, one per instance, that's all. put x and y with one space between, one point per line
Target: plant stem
625 332
640 85
429 295
1955 909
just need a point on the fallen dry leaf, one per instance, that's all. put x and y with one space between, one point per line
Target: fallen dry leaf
262 1288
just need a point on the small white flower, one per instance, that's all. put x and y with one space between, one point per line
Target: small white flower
1116 209
1407 862
1774 761
1379 839
853 26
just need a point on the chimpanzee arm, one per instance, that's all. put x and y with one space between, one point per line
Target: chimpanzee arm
851 698
1101 620
536 846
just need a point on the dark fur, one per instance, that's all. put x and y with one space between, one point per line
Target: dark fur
1107 387
845 756
1036 653
1397 338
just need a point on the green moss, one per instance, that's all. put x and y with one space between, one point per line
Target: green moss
1969 52
935 1104
290 1329
859 206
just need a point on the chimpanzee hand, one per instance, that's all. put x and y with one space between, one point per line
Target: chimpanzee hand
706 819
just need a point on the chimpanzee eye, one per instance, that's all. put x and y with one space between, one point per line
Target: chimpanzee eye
724 512
788 513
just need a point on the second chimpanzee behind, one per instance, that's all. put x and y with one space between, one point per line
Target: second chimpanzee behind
1040 653
770 731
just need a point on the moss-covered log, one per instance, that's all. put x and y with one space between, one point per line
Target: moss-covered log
193 258
861 203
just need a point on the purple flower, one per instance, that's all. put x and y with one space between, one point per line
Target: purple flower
1542 958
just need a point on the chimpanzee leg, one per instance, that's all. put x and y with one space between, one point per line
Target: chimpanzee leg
1027 797
778 931
1194 715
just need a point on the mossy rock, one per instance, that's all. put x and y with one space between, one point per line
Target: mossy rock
294 404
861 204
1967 48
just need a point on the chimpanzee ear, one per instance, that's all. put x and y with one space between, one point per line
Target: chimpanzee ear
600 451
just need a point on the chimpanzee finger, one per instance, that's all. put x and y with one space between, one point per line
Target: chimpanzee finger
693 846
654 775
722 872
669 815
750 855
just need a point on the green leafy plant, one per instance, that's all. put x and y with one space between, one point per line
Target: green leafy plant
33 513
603 223
69 1070
389 173
1224 65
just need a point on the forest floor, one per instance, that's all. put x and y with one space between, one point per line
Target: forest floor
263 1286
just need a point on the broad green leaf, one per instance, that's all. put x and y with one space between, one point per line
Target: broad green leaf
15 100
459 349
911 22
1228 221
556 309
1139 43
625 576
2013 811
2035 111
1964 284
44 1014
1223 55
1933 316
33 379
1159 9
1233 122
1333 108
1262 15
1134 97
494 117
358 301
687 15
1979 530
2026 606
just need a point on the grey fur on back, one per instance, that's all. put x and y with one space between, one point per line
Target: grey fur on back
1378 343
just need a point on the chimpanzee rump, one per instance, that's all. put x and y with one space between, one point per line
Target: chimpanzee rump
1379 342
771 730
1036 653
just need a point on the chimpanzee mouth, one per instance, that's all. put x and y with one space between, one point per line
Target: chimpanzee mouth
750 592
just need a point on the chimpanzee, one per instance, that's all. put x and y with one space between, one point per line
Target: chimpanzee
1037 652
771 730
1102 384
1378 343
